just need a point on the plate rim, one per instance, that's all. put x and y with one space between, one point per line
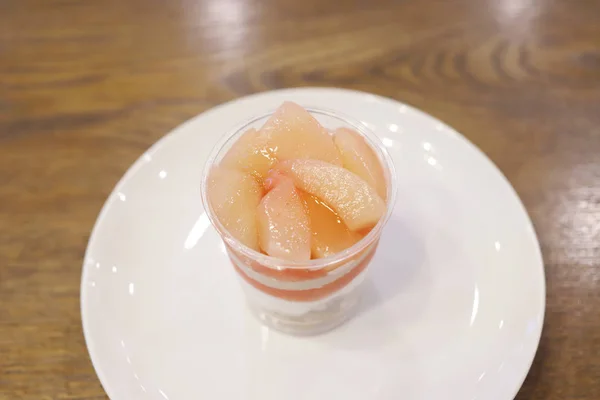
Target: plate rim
132 169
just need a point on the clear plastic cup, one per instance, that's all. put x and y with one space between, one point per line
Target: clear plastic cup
303 297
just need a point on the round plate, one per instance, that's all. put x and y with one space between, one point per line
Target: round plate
453 308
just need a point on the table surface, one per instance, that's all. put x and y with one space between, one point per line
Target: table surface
87 86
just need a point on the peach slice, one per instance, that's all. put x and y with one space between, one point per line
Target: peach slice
294 133
329 234
359 157
283 226
274 178
250 153
357 203
234 196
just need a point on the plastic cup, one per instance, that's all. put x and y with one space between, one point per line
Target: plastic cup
303 297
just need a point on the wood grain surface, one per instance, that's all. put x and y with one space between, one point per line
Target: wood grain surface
87 86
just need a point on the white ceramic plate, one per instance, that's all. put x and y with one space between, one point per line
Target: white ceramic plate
454 304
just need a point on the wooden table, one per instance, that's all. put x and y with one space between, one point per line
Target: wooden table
87 86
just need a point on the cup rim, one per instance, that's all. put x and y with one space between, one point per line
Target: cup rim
313 264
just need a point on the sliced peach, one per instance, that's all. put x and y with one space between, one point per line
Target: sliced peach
250 153
294 133
274 178
234 196
359 157
329 233
283 226
357 203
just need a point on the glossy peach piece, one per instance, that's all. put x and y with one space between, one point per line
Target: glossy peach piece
329 234
359 157
357 203
283 225
251 153
294 133
234 196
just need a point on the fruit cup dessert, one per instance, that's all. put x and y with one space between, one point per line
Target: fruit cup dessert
300 197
